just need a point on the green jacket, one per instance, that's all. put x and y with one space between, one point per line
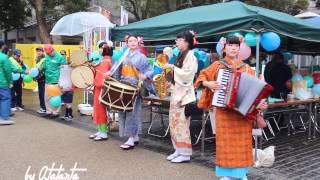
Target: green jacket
16 66
51 67
5 71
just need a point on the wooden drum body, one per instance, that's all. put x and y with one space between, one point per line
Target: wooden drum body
118 96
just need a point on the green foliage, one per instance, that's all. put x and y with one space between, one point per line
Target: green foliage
318 4
12 14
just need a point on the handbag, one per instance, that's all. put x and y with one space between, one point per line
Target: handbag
260 123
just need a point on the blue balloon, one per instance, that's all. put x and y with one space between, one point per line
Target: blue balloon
309 80
34 72
171 60
176 51
200 65
219 48
15 76
316 89
116 55
270 41
297 77
157 69
95 57
55 101
287 56
204 58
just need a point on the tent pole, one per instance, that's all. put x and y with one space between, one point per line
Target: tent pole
257 54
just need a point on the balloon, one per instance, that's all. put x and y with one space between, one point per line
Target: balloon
34 72
203 58
309 80
144 51
26 66
27 79
287 56
200 65
176 51
168 51
270 41
95 57
297 77
171 60
55 101
157 69
116 55
316 89
15 76
196 53
162 59
151 61
250 38
219 48
53 90
245 51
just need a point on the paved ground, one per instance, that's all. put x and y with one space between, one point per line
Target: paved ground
296 157
39 142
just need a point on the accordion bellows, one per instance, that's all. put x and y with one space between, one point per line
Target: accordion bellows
241 92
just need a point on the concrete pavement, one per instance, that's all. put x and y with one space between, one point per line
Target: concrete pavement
38 142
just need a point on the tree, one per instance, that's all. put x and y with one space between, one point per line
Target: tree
45 9
10 20
318 4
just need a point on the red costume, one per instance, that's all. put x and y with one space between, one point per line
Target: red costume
100 115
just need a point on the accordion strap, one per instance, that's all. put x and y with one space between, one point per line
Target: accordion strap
225 64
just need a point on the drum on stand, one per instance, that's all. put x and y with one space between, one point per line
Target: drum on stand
82 76
118 96
78 57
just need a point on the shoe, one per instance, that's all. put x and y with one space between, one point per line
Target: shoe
14 109
68 119
6 122
20 108
126 146
181 159
41 111
92 136
172 156
101 137
47 114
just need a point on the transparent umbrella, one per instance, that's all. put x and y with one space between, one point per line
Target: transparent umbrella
78 23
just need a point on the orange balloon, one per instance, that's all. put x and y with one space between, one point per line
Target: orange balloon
53 90
162 59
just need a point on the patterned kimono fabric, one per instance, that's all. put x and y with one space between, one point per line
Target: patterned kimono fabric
135 62
179 124
100 117
233 131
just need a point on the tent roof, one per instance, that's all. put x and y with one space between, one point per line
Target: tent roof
307 15
217 19
314 20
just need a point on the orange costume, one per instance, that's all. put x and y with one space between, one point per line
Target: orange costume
233 131
100 115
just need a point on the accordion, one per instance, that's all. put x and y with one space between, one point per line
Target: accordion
240 92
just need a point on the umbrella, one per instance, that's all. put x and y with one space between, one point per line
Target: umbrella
306 15
78 23
314 20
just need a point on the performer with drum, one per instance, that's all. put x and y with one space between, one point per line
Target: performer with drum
184 70
134 69
233 131
100 117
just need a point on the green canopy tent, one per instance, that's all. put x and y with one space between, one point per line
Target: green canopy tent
212 21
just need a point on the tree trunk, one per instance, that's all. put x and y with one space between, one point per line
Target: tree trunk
171 5
42 26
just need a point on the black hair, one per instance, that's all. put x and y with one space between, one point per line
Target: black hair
107 51
278 56
6 50
233 40
188 37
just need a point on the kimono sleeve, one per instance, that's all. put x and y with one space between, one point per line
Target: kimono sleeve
184 76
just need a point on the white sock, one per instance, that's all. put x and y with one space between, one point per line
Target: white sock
130 141
136 138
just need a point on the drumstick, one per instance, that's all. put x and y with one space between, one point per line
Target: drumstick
120 62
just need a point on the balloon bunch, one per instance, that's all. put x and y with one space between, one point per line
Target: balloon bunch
55 95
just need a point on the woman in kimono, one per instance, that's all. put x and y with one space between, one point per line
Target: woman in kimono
134 69
233 131
184 69
100 117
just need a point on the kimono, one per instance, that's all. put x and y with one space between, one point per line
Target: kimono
182 94
135 62
233 131
100 117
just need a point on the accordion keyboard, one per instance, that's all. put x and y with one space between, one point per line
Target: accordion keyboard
219 97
